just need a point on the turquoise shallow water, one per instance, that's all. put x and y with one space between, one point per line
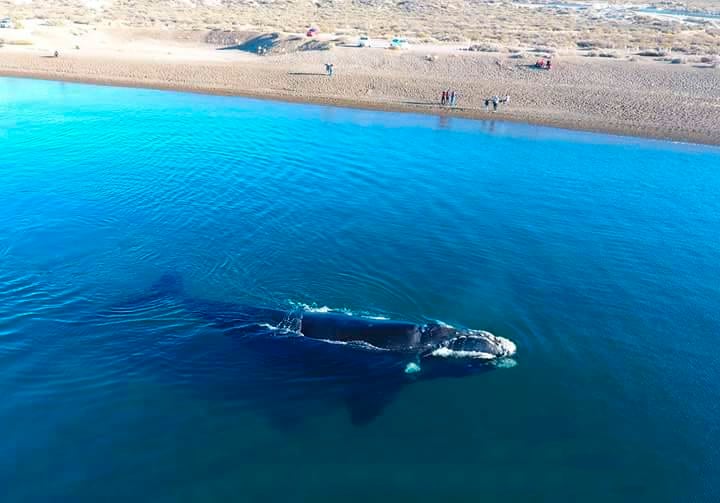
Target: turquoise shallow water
598 256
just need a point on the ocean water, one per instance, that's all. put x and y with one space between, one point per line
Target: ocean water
599 256
681 13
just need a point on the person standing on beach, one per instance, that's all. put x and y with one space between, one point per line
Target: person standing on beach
329 69
443 99
452 99
495 101
487 104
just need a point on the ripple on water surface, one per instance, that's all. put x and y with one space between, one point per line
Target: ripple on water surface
598 256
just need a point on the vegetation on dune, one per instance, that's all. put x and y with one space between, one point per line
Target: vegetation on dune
480 23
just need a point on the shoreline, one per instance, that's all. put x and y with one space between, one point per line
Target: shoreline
638 98
429 109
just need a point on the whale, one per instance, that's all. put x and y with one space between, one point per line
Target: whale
284 361
426 340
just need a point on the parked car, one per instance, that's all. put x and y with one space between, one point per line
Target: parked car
398 43
6 23
312 32
364 41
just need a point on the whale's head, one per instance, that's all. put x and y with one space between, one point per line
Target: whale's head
468 346
477 344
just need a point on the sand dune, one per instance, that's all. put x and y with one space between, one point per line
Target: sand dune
612 24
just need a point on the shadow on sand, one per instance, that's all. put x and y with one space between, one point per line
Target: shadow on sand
532 66
308 73
265 41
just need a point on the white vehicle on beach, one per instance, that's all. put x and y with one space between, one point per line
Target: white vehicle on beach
398 43
364 41
6 23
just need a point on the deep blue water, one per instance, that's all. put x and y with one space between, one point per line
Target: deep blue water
599 256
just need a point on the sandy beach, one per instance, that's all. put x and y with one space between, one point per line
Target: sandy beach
660 97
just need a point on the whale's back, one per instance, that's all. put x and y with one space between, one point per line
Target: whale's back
386 334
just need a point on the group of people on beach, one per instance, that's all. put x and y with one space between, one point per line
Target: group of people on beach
448 98
543 64
496 100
